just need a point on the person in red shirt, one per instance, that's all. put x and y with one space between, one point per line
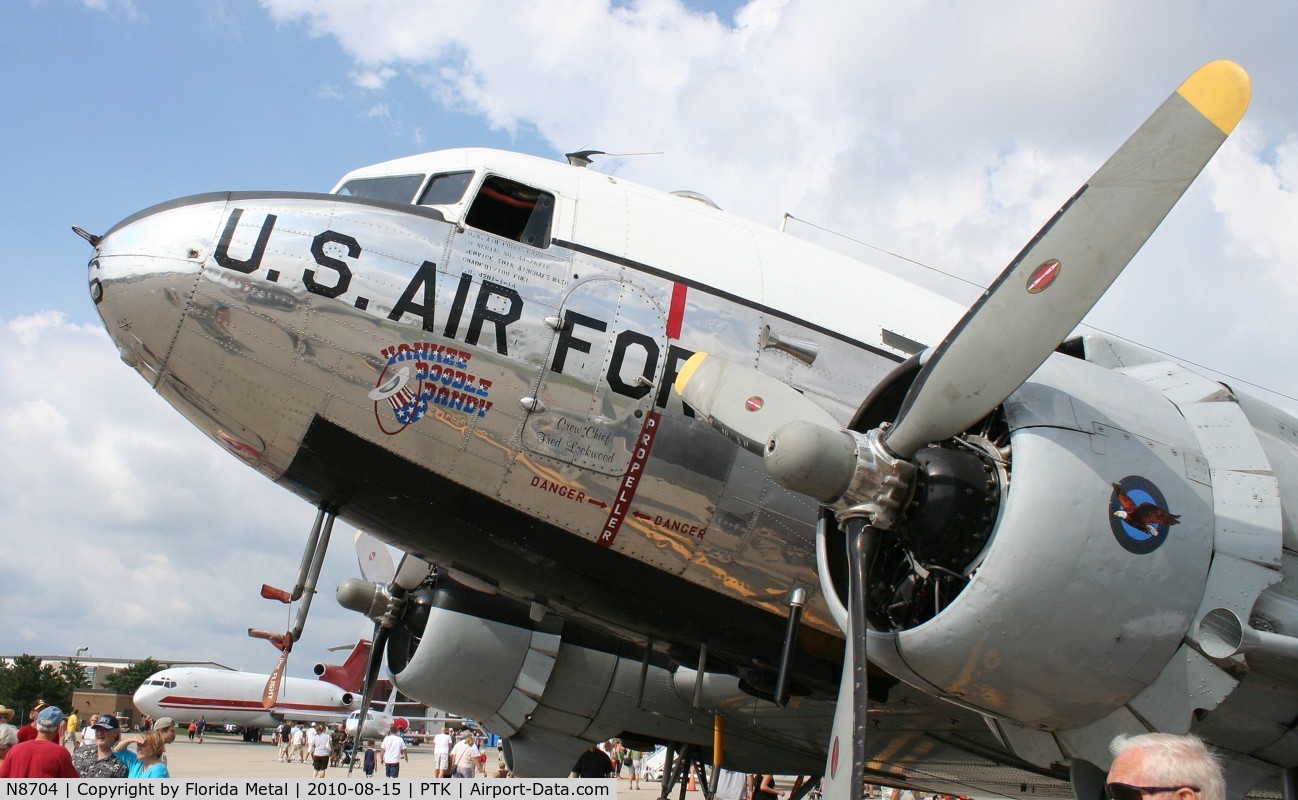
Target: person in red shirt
42 757
28 732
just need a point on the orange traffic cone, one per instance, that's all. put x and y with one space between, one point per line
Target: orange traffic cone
694 785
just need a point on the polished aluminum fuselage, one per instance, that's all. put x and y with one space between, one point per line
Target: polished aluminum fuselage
505 410
515 384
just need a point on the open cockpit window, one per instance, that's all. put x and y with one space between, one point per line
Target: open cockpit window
513 210
397 188
446 189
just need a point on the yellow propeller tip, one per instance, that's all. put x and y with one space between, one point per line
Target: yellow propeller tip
1220 91
687 371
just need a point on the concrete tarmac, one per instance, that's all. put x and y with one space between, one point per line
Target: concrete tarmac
221 756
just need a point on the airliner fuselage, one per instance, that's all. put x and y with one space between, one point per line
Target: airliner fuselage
228 697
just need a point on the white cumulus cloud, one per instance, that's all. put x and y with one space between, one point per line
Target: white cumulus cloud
942 131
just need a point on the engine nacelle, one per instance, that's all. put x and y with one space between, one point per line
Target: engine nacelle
1068 593
349 675
552 689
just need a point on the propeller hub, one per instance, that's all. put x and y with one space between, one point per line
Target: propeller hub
367 597
881 484
812 459
853 474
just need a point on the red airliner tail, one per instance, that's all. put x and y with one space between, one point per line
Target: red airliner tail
349 675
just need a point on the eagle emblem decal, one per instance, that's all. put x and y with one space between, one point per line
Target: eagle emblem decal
1138 515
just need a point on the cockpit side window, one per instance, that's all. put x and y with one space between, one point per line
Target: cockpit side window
446 189
397 188
513 210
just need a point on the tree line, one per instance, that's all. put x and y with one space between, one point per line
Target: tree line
24 681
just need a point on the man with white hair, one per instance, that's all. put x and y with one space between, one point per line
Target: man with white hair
8 738
42 757
1164 766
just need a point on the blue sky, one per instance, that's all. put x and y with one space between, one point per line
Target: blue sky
946 132
111 111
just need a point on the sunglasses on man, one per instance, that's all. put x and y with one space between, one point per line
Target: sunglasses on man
1125 791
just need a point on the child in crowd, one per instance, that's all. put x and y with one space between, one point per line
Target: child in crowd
368 763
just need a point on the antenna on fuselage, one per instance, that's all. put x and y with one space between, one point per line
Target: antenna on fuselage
583 158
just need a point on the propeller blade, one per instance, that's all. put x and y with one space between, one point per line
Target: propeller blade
380 643
1046 291
744 404
270 694
374 558
411 572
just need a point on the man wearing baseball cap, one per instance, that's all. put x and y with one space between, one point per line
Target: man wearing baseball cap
99 760
28 732
42 757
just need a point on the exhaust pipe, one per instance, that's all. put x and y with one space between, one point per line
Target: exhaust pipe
1222 634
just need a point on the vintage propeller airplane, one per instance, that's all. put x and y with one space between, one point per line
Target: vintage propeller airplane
877 541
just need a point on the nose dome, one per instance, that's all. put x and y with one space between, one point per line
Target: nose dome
144 275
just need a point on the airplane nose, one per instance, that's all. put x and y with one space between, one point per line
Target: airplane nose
144 273
146 699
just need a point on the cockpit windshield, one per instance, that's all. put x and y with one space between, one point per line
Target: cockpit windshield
397 188
446 189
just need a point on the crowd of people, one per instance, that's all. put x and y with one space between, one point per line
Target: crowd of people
461 756
328 747
39 749
1143 766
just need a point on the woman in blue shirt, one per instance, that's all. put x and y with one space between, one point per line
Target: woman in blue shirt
148 762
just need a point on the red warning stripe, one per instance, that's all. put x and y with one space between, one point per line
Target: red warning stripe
676 315
630 480
648 430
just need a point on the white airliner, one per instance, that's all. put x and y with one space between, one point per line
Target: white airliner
228 697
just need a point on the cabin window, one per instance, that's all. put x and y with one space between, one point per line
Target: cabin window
446 189
397 188
514 211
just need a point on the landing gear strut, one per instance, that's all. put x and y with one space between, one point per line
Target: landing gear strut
303 590
847 780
